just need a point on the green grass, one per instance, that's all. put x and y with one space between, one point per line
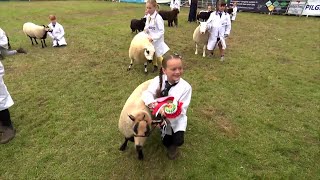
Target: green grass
256 116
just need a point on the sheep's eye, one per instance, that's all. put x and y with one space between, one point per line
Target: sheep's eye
147 52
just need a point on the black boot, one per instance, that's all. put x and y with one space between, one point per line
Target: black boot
172 152
20 50
8 134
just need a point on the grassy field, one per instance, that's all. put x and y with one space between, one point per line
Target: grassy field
256 116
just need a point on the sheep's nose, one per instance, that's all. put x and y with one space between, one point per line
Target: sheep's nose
149 60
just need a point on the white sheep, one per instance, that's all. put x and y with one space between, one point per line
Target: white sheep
135 120
36 32
141 51
201 36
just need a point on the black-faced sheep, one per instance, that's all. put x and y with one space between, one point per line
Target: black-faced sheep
201 36
203 16
141 51
171 16
137 25
135 120
36 32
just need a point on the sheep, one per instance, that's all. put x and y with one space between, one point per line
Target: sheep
135 120
137 25
36 32
203 16
141 51
171 16
201 36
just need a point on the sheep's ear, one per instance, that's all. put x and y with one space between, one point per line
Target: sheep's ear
131 117
44 25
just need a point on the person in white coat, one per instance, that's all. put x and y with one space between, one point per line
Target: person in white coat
170 83
5 47
7 131
219 26
57 33
175 4
155 29
234 11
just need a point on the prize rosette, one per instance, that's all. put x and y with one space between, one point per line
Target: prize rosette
172 108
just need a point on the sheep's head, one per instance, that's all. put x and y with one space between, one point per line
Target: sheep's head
47 28
203 27
176 11
144 19
141 127
149 52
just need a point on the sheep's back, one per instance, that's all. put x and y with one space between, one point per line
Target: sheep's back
133 105
136 50
33 30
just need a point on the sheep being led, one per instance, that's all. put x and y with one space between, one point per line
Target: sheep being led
135 120
201 36
142 51
36 32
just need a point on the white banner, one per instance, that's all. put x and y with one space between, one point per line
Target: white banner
296 7
312 8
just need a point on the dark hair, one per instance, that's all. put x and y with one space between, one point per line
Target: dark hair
164 66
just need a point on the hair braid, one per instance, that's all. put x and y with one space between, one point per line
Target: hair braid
158 94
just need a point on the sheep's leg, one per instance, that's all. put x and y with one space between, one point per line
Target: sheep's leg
31 40
145 67
131 63
204 51
176 21
139 151
124 145
42 43
35 40
196 52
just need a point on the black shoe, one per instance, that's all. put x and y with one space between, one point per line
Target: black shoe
7 135
20 50
172 152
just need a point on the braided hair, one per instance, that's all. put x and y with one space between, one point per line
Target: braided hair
164 66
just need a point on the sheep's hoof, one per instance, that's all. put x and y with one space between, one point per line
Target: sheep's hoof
140 157
128 69
196 53
123 147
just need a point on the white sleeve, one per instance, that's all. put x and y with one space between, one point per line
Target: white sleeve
3 39
148 96
186 98
61 32
1 72
228 26
160 25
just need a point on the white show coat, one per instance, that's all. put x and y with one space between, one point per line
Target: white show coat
218 27
181 92
5 98
58 32
175 4
155 29
3 39
234 13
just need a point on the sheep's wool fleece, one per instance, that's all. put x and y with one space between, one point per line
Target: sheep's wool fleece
33 30
133 105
